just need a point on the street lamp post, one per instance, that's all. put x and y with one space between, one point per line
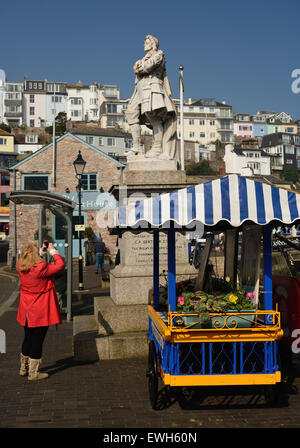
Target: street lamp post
79 165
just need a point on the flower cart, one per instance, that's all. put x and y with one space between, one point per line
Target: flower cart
215 337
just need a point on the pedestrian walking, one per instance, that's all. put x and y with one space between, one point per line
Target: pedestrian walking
99 248
39 307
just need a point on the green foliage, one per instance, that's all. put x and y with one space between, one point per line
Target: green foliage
88 233
200 168
60 124
5 127
290 173
203 303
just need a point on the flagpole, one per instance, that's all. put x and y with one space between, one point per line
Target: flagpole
181 88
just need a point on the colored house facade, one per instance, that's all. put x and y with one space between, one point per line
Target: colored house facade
4 203
6 142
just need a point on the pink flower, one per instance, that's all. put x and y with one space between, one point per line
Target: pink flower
251 296
181 300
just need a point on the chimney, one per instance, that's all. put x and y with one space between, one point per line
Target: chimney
221 170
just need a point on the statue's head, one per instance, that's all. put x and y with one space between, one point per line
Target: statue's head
151 41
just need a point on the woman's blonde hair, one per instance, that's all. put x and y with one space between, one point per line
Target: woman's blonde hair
29 257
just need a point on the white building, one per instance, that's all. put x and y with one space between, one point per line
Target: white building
34 103
13 104
83 102
56 100
246 160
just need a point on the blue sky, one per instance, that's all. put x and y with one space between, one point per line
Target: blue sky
237 51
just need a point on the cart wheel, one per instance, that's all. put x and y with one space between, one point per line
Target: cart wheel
152 375
274 395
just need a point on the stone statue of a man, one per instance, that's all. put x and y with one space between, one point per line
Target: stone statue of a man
151 104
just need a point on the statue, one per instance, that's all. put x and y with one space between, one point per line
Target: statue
151 104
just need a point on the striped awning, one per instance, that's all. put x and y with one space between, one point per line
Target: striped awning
233 199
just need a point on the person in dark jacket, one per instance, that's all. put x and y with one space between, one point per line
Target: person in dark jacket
99 248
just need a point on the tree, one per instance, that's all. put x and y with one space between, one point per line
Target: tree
5 127
60 124
200 168
290 173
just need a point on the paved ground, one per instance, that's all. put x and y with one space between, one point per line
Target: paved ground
114 394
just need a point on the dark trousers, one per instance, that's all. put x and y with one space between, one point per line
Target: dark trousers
33 341
99 261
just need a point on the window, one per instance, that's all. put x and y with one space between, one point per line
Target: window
225 137
89 182
31 111
75 113
202 122
128 143
75 100
289 150
89 140
4 179
31 98
285 139
56 99
192 134
111 108
111 121
111 141
212 135
100 141
35 182
31 123
191 122
212 122
188 154
254 165
4 200
289 161
110 91
202 134
3 141
93 101
31 139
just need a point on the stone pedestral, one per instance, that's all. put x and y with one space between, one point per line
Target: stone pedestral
122 318
132 280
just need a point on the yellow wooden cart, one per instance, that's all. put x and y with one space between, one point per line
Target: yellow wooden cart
226 352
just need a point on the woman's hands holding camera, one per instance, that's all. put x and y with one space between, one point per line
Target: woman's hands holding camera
48 247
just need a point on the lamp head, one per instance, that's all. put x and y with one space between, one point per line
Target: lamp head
79 164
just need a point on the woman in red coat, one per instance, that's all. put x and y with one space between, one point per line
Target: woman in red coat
38 306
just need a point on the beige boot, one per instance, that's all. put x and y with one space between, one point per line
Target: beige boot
24 365
34 373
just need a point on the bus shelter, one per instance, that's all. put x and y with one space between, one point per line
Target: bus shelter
60 207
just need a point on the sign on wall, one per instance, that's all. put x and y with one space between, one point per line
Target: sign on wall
92 200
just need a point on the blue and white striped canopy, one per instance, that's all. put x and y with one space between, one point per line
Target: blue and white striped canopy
233 198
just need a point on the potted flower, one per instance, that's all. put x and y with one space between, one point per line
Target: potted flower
230 300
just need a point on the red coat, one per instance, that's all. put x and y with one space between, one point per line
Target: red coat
38 299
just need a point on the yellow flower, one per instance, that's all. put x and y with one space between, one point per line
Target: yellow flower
227 279
232 298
